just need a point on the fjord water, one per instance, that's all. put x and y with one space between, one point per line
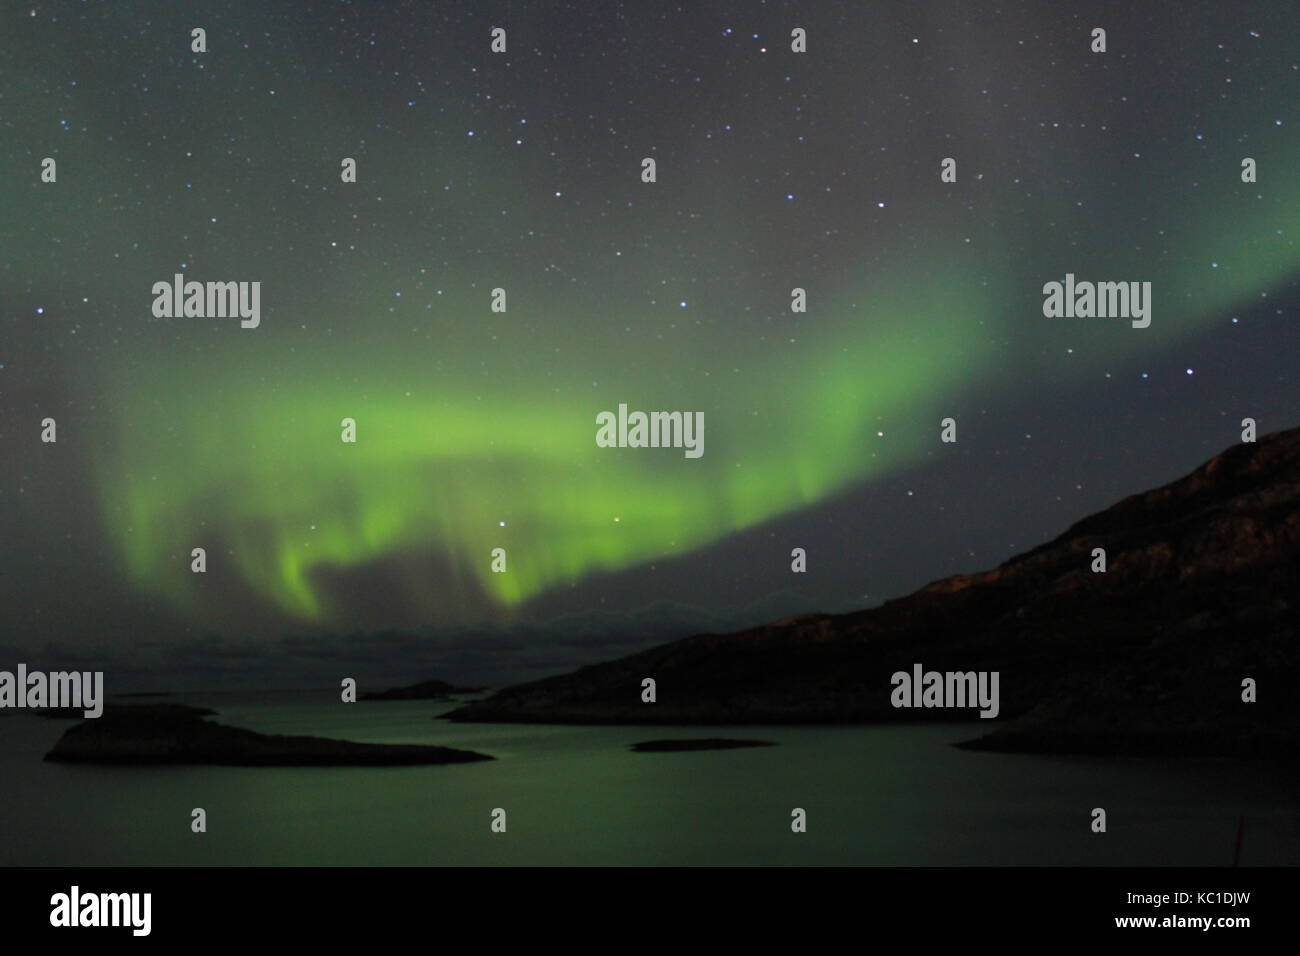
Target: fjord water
896 795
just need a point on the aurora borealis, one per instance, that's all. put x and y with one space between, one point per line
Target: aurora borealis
475 429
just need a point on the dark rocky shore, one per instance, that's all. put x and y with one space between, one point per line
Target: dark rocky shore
176 734
1200 592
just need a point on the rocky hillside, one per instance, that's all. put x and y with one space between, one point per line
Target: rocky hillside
1200 592
176 734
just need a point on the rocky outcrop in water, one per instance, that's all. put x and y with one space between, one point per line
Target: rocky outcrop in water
173 734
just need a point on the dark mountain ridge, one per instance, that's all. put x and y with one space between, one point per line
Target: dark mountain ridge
1148 657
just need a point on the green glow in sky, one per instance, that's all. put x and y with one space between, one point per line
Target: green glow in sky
476 430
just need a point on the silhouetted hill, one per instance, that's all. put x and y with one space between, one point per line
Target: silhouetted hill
1199 593
682 745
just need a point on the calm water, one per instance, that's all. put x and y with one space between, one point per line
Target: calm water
577 795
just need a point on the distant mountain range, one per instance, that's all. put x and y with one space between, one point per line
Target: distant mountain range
1200 593
425 690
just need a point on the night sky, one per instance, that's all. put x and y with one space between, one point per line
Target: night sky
522 171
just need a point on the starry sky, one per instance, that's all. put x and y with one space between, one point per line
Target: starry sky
522 171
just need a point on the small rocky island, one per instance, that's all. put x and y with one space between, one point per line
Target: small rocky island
111 709
176 734
425 690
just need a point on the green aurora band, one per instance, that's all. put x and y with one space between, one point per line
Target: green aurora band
264 472
474 419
